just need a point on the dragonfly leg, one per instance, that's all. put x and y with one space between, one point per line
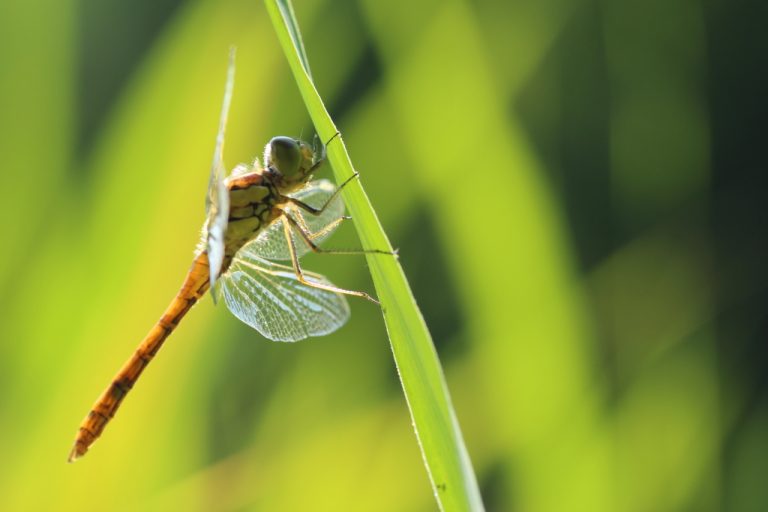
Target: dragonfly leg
337 134
317 211
327 229
309 240
314 235
300 274
321 158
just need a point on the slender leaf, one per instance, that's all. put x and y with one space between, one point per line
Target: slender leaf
421 375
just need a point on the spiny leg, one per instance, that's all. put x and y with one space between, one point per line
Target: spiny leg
337 134
309 240
317 211
327 229
321 159
314 235
300 274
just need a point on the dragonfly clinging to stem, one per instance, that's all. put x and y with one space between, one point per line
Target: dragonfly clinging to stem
257 216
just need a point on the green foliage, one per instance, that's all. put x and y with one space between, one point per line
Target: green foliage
578 190
434 419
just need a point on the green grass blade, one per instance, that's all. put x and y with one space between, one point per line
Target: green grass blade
421 375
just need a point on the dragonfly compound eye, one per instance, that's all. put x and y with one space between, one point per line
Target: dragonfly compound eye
284 155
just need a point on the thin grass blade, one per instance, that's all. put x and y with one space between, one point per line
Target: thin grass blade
434 420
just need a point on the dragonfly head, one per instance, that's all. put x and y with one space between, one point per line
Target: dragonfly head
291 159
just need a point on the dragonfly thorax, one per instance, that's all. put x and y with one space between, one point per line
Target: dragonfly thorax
252 199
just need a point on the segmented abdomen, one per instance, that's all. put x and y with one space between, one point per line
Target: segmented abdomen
195 285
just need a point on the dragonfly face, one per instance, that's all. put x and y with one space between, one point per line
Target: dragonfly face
292 159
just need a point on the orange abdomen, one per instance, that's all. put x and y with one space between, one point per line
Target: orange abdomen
195 285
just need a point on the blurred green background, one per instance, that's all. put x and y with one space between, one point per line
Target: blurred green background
578 192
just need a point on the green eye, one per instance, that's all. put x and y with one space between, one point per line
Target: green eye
284 155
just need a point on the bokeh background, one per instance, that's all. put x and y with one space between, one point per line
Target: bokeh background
577 189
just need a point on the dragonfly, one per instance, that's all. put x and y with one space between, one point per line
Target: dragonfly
257 217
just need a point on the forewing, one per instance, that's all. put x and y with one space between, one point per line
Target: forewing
217 200
271 243
217 226
269 297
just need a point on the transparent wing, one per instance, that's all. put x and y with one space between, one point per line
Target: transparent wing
268 297
217 200
271 243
